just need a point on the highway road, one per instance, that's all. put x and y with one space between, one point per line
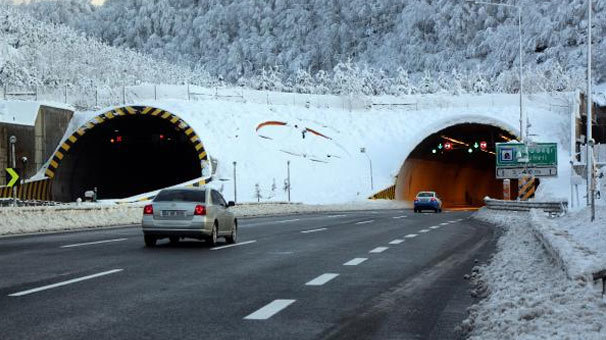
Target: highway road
387 274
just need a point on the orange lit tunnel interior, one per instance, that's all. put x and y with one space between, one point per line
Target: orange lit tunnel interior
453 163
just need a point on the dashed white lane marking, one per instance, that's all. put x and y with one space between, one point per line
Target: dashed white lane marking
365 222
322 279
445 223
398 217
378 250
435 227
424 230
91 243
452 221
397 241
374 212
270 309
411 235
459 220
64 283
286 221
355 261
335 216
312 230
233 245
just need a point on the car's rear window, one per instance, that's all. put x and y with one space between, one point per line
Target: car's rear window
425 194
181 196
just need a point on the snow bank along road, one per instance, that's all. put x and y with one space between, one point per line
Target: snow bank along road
372 274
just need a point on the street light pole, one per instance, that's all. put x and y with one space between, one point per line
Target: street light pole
235 184
523 129
363 150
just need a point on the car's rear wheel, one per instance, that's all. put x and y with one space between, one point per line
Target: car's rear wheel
212 239
174 239
233 237
150 241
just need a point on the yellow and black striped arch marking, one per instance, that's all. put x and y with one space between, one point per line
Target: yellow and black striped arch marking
116 113
34 190
385 194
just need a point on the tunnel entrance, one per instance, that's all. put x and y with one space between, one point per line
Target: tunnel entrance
458 163
126 156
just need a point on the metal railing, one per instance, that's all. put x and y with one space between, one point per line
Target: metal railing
550 207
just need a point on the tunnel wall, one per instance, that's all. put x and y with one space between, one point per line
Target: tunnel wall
63 176
465 186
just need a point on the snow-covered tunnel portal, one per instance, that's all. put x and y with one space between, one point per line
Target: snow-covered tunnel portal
125 152
458 162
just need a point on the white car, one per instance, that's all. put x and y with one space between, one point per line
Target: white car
199 213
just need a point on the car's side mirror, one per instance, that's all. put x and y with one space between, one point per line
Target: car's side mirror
231 204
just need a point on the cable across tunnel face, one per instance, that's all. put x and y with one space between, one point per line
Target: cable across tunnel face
126 152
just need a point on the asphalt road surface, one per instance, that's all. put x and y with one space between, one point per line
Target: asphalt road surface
349 275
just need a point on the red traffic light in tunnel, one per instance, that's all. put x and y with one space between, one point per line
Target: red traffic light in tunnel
483 145
448 146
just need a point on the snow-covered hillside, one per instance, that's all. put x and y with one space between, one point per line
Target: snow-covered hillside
242 38
327 166
38 54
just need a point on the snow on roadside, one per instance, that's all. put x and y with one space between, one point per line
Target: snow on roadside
529 296
45 219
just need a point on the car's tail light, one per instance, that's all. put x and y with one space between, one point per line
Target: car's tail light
148 210
433 199
200 210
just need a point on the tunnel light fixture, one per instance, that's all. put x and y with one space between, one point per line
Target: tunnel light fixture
505 138
454 140
111 140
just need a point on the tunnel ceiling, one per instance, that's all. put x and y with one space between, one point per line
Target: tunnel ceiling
463 175
125 153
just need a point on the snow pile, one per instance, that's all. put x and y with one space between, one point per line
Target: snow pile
502 218
531 297
44 219
37 219
574 241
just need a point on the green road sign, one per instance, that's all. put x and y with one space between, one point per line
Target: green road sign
14 177
517 155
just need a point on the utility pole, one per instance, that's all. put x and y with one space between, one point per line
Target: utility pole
589 140
235 184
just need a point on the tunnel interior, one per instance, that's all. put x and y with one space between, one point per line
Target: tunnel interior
126 156
458 163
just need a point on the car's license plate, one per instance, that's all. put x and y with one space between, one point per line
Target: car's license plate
173 213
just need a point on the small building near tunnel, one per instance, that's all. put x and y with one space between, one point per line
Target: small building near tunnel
38 128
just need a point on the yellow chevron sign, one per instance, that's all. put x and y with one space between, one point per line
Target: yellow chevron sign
14 177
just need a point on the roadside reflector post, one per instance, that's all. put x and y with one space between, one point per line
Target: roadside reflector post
235 185
507 189
13 140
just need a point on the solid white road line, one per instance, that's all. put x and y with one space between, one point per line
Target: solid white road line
355 261
322 279
365 222
287 221
411 235
233 245
397 241
64 283
312 230
424 230
452 221
445 223
378 250
269 310
91 243
435 227
398 217
335 216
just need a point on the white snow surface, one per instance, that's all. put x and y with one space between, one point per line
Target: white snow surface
71 217
529 296
328 171
575 241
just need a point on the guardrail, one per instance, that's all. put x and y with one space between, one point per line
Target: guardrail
555 207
